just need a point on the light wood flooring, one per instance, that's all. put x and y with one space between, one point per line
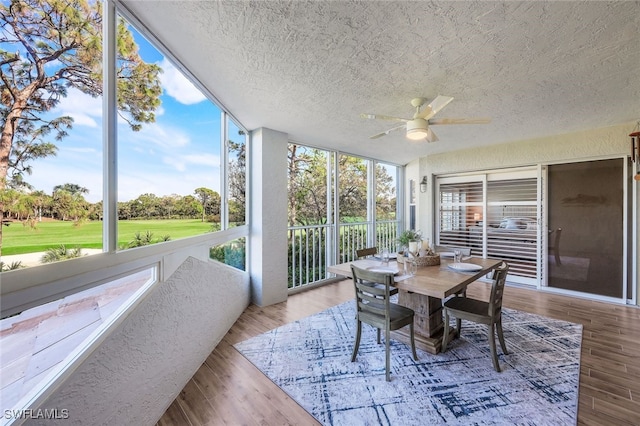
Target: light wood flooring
228 389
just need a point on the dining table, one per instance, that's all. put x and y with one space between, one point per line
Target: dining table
425 290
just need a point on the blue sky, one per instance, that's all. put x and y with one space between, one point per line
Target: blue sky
175 155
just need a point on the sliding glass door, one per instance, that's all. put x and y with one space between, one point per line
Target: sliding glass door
586 206
494 214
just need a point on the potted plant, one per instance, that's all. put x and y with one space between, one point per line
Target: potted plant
409 240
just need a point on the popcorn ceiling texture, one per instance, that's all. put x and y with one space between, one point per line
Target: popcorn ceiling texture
309 68
137 372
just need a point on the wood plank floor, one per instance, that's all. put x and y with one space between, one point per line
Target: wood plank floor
228 389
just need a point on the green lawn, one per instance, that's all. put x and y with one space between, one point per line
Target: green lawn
19 239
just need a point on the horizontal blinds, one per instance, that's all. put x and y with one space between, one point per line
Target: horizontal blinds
512 224
461 207
501 224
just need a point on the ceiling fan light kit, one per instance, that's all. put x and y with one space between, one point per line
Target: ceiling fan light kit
417 129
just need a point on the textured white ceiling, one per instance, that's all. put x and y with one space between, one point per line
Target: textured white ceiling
310 68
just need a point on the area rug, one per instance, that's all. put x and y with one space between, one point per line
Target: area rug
310 360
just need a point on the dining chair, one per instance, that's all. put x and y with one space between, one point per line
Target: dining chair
366 252
373 307
371 251
489 313
555 248
464 251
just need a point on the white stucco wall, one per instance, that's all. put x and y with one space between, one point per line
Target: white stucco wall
141 367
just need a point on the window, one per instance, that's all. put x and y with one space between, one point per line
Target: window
363 202
53 187
169 171
172 171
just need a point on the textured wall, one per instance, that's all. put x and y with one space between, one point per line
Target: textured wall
590 144
137 372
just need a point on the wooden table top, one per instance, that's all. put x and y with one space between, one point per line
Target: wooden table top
437 281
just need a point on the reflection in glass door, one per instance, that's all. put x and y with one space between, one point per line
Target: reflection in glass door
586 227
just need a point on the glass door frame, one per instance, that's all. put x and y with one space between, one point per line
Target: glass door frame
627 248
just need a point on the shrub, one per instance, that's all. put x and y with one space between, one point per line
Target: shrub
61 252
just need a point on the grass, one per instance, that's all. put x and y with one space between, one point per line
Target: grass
19 239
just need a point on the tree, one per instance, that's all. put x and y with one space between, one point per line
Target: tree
307 185
68 202
352 189
71 188
307 190
385 194
146 206
188 206
237 181
207 197
47 47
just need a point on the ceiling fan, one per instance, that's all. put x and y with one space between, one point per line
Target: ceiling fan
418 126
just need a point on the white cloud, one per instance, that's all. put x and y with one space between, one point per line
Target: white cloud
154 135
177 86
85 110
182 162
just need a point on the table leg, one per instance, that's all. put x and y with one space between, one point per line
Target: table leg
428 324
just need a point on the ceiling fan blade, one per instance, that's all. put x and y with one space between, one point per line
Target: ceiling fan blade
382 117
379 135
431 136
460 121
436 105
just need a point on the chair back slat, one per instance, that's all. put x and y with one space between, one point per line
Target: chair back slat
366 252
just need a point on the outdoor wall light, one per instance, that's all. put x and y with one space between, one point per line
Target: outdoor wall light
423 184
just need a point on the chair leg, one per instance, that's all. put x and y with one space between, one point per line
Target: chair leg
492 346
501 336
378 331
387 337
413 342
445 334
458 327
357 343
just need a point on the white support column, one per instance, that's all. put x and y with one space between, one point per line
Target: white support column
268 233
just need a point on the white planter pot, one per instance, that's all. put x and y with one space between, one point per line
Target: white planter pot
413 246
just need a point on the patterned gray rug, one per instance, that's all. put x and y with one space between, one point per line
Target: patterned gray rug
310 360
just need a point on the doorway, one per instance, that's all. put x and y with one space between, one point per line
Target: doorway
586 227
